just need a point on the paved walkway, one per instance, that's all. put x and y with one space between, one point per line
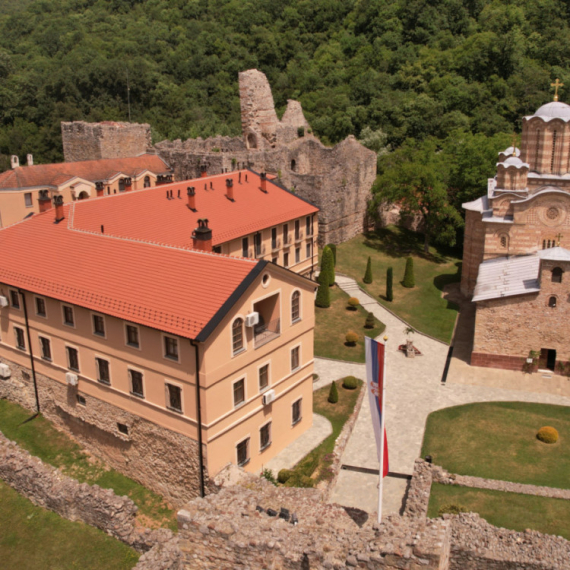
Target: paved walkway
413 391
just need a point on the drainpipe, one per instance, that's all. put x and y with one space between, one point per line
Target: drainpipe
199 417
22 293
313 248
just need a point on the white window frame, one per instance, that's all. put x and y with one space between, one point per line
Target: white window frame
164 336
127 324
167 396
67 345
106 358
244 336
300 307
63 315
267 423
48 338
291 358
141 372
293 422
99 335
31 195
268 364
242 403
246 438
36 306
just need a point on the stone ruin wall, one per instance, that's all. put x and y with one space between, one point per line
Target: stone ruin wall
93 141
158 458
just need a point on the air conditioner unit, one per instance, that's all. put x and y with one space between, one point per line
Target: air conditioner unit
252 319
71 379
268 397
4 371
3 301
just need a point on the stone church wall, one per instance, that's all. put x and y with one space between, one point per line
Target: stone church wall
473 251
160 459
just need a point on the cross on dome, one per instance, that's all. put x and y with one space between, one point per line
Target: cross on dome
556 85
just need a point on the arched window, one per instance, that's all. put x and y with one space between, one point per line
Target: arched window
504 241
251 141
237 336
557 275
293 165
552 302
296 306
147 181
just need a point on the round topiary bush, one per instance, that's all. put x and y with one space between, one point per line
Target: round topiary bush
351 338
284 475
353 302
451 509
547 434
350 383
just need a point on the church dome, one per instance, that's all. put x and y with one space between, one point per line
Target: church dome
513 161
554 110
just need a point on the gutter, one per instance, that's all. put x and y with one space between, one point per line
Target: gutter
22 293
199 417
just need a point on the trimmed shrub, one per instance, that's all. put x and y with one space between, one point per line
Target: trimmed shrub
409 280
323 299
368 272
350 383
369 323
547 434
284 475
390 284
301 131
333 394
353 302
351 338
451 509
332 247
298 480
268 474
327 267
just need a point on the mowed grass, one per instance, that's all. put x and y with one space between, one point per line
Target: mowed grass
508 510
497 440
333 323
32 537
317 463
422 306
40 438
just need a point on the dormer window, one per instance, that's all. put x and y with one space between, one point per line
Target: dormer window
557 275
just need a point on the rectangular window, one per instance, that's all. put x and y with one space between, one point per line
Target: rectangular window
72 358
45 345
294 358
244 247
297 230
239 392
257 244
217 249
133 336
273 238
296 412
309 250
68 318
265 436
308 230
137 383
15 299
285 234
123 428
297 254
275 260
20 341
98 325
171 348
81 400
40 307
174 394
103 371
285 260
28 199
263 377
243 452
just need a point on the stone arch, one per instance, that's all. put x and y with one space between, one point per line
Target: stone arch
251 140
83 195
552 301
557 273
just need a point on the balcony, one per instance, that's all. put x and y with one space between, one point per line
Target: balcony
298 236
259 250
263 333
287 240
275 244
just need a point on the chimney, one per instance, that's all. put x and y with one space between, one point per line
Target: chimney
191 198
128 184
58 203
203 171
44 200
100 189
230 189
263 181
30 160
15 161
202 236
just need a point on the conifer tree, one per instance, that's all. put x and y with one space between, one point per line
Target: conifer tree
390 284
333 393
409 280
368 273
327 267
332 247
323 299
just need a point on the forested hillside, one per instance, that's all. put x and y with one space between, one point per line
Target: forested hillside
412 68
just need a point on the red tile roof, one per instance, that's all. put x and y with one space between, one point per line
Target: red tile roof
167 288
148 215
92 170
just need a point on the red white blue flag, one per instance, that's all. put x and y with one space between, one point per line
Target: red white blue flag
375 371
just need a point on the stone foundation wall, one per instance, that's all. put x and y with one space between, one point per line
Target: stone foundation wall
502 361
160 459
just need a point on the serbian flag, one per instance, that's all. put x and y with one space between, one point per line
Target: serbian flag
375 372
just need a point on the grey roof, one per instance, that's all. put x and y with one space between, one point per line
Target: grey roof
555 254
479 205
507 276
509 152
552 110
513 161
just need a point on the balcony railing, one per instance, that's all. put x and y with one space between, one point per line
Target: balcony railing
263 333
260 250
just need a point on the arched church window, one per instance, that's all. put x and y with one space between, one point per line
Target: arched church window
557 275
504 241
552 302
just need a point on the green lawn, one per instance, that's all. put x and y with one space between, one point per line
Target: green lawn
316 465
497 440
333 323
421 306
507 510
32 537
41 439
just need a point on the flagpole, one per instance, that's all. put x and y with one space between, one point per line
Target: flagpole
382 437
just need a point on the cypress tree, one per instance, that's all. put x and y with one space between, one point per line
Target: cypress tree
368 273
389 284
327 267
332 247
409 281
323 299
333 393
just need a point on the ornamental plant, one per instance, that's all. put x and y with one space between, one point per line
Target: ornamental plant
368 272
327 267
350 383
284 475
323 299
547 434
369 323
353 302
351 338
389 284
409 280
332 247
333 394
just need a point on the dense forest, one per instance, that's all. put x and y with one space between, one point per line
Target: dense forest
456 71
